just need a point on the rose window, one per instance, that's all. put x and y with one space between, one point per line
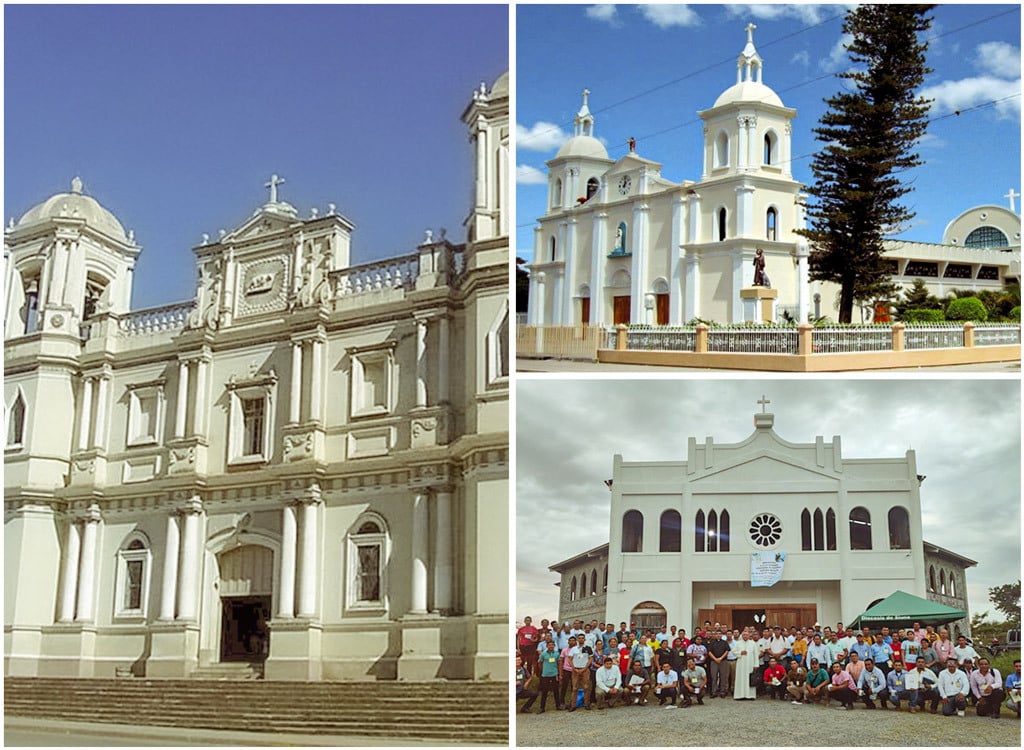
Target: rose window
765 530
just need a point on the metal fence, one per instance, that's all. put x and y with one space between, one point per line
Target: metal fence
660 338
572 342
933 336
996 335
841 339
754 340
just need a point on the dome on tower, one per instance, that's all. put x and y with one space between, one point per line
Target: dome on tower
500 86
583 142
749 91
76 205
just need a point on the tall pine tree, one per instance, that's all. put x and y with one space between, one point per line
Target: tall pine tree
868 135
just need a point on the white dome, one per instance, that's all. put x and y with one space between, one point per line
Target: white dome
500 86
748 91
76 205
583 145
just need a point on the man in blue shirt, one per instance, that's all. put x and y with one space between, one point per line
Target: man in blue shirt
872 685
860 647
1013 688
881 654
896 683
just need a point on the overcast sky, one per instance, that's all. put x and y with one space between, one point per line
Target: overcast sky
966 434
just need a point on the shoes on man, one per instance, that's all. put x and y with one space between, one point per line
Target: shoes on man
959 713
797 703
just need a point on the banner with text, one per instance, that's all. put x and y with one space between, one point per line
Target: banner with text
766 568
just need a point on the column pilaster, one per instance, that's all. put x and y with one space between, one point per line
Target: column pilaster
85 424
188 571
181 405
419 550
309 508
295 401
289 536
421 363
443 553
69 572
169 584
87 568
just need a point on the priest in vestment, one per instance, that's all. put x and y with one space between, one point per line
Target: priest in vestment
747 660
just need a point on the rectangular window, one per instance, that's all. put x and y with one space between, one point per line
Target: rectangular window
369 573
133 585
145 413
372 380
252 426
251 420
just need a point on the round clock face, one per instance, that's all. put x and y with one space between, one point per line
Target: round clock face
624 184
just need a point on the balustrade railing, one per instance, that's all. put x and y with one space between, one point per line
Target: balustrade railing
152 320
392 273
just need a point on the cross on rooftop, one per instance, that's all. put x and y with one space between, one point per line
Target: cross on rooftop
1012 195
274 182
764 404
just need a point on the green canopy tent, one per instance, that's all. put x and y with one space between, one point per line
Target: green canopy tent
901 610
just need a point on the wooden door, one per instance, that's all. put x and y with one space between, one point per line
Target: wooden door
621 310
661 309
585 310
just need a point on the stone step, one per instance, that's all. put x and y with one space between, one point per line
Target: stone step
463 712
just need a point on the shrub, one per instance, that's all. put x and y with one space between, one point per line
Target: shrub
967 308
1015 313
923 316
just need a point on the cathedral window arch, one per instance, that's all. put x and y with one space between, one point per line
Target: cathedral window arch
830 530
723 531
721 149
593 185
556 193
931 578
29 311
604 586
497 347
16 414
712 535
572 590
95 294
984 237
671 530
771 222
661 301
952 584
552 246
860 529
633 531
583 586
593 582
942 582
806 542
699 532
620 239
368 550
899 528
819 530
134 558
723 221
771 149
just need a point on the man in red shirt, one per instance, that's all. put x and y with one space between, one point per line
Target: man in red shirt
775 680
527 638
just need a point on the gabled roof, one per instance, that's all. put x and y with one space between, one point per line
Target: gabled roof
601 551
948 554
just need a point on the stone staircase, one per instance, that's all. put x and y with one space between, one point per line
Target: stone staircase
229 671
473 713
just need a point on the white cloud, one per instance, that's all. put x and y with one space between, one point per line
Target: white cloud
838 57
606 13
952 96
998 59
801 58
665 16
543 136
806 13
527 175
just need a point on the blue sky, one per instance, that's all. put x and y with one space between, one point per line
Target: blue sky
176 116
650 68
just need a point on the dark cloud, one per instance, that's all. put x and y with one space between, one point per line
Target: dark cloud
965 434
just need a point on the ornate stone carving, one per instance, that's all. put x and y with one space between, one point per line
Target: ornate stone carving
262 285
298 447
181 460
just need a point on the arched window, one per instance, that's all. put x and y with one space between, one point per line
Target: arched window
722 217
16 421
767 149
805 531
942 582
984 237
712 536
860 529
830 530
583 585
698 532
671 532
572 590
620 239
133 569
899 528
952 584
931 578
604 587
593 582
556 194
633 531
771 149
771 224
592 187
723 531
368 551
552 246
722 150
819 530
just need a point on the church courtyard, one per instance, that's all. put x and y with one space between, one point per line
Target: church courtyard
731 723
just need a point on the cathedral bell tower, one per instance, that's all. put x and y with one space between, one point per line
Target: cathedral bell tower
574 175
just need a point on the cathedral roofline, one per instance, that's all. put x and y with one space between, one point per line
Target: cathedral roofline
599 551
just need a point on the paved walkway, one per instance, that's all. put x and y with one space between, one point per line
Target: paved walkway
19 732
760 723
566 365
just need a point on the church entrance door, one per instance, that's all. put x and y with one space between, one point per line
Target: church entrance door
760 616
585 310
244 633
620 310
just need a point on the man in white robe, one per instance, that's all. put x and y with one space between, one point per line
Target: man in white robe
747 660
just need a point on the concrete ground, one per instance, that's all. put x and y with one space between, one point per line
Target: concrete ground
566 365
19 732
761 723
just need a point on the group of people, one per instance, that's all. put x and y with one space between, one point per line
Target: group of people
914 669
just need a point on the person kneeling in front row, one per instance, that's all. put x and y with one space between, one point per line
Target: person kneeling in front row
694 680
608 680
953 687
668 686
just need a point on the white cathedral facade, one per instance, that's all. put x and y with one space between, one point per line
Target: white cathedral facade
302 472
682 534
619 243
